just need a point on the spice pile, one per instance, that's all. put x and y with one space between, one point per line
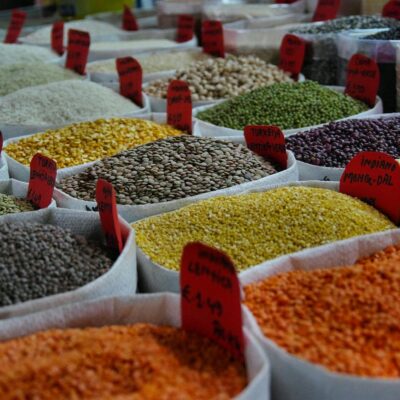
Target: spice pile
10 204
137 361
170 169
285 105
252 228
344 318
41 260
21 54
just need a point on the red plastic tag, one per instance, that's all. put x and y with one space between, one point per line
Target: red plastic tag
391 9
15 27
129 22
326 10
57 37
130 79
267 141
292 52
185 28
42 180
107 204
363 79
374 177
77 51
179 106
210 297
212 36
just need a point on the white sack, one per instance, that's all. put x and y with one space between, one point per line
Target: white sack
3 167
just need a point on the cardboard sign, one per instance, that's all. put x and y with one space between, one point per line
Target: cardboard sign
391 9
210 297
267 141
374 177
129 22
43 173
15 27
107 205
57 37
292 52
185 28
130 79
77 51
363 79
179 106
326 10
212 36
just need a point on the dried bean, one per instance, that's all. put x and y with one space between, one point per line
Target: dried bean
10 204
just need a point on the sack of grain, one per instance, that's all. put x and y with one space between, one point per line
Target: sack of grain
3 167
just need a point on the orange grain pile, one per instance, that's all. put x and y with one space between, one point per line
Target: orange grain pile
141 361
346 318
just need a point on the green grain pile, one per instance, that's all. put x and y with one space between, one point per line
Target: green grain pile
10 204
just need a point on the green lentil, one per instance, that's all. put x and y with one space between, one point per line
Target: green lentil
286 105
255 227
10 204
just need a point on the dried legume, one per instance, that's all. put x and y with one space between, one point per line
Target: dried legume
285 105
19 54
88 141
130 362
170 169
252 228
11 204
344 318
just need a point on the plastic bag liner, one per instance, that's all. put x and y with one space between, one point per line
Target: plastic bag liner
294 378
159 309
3 167
211 130
121 279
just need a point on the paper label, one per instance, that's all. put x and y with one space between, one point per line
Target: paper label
292 52
210 297
129 22
362 79
57 37
212 36
43 173
130 79
185 28
179 106
77 51
267 141
107 205
15 27
374 177
391 9
326 10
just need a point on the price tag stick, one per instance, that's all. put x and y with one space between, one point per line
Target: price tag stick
77 51
179 106
326 10
212 36
130 79
292 52
129 22
185 28
391 9
57 37
15 27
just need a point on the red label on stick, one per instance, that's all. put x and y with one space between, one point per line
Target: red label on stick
374 177
57 37
210 297
392 9
326 10
129 22
77 51
363 79
42 180
212 36
179 106
130 79
185 28
267 141
292 54
15 27
107 204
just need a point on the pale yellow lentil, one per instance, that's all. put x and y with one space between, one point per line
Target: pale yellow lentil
255 227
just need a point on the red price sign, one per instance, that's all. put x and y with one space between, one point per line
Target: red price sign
210 297
212 36
391 9
185 28
77 51
43 173
292 52
57 37
15 27
267 141
179 106
326 10
363 79
374 177
130 79
129 22
107 204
